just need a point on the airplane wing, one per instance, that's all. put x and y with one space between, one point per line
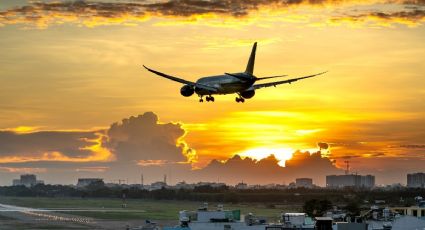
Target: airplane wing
181 80
289 81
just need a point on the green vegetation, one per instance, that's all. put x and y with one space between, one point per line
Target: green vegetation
316 207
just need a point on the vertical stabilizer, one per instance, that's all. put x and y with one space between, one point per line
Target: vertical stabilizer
251 61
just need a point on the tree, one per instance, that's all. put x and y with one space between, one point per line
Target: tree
353 208
316 207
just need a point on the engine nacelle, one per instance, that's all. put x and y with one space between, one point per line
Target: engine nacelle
248 94
187 91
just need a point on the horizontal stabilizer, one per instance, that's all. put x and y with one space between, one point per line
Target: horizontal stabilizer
263 78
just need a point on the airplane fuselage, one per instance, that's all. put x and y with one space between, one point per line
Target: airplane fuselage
225 84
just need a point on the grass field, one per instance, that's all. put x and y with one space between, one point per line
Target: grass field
138 208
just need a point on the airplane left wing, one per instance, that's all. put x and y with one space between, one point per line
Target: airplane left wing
289 81
209 88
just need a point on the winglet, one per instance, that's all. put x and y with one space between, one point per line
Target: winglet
251 61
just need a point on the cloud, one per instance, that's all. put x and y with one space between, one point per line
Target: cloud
413 146
52 146
124 149
411 18
134 139
22 170
267 170
95 13
323 145
143 138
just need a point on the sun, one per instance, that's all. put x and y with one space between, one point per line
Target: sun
282 154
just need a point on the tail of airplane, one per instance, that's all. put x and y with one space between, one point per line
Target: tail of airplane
251 61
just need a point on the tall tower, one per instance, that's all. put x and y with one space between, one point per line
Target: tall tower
165 178
347 170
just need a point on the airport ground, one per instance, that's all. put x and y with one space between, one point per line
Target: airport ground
108 213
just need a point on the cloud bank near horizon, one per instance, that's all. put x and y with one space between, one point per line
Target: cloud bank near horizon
217 12
144 145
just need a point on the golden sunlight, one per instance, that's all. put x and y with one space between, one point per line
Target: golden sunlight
282 154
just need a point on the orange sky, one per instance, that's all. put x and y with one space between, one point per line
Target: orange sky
75 66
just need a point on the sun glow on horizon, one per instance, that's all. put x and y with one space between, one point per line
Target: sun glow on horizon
281 154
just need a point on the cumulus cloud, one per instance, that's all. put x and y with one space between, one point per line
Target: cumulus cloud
143 138
267 170
93 13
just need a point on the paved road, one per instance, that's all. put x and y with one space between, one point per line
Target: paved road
23 216
40 218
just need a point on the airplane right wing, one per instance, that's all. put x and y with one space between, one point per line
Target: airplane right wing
289 81
209 88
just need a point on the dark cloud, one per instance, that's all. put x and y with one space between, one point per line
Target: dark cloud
323 145
414 16
92 13
267 170
71 144
413 146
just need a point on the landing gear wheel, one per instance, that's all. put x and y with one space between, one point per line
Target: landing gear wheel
201 100
240 99
210 98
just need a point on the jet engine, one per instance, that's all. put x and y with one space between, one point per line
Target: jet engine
187 90
248 94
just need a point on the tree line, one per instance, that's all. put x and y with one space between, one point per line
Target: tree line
206 193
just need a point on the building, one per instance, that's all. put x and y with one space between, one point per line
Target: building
241 186
367 181
350 180
27 180
184 185
84 182
157 185
415 211
304 182
416 180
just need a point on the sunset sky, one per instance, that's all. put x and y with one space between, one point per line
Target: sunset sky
70 69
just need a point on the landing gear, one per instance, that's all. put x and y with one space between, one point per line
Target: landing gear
240 99
207 98
210 98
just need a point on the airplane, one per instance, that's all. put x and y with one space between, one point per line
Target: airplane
242 83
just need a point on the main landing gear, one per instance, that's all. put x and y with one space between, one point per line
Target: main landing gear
207 98
240 99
